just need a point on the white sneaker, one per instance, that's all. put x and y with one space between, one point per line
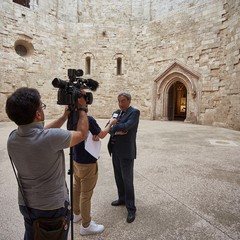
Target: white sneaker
77 218
93 228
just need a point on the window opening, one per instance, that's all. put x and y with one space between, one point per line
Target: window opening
119 66
24 3
21 50
88 65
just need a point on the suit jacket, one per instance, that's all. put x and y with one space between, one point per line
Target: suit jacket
125 145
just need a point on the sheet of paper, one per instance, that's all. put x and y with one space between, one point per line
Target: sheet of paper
93 147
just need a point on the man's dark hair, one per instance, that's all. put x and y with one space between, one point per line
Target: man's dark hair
127 95
22 105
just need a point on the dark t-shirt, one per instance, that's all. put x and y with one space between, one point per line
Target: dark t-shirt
80 155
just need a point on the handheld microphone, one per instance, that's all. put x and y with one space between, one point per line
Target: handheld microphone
114 115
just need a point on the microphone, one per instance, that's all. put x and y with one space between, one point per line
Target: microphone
92 84
114 115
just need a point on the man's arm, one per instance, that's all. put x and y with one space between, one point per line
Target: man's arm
81 132
126 126
82 129
106 130
60 121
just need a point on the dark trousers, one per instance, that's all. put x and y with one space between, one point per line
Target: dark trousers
35 213
123 172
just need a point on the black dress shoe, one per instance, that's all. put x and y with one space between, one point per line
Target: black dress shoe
117 203
130 217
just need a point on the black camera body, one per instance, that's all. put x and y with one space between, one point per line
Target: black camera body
69 91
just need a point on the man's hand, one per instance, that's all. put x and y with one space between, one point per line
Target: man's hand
112 121
81 102
60 121
95 138
66 112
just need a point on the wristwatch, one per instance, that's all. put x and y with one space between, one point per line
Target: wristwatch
85 109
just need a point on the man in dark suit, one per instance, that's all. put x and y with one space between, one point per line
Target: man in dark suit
122 147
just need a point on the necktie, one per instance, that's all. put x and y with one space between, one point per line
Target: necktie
121 114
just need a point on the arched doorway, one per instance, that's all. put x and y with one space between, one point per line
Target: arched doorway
176 94
177 102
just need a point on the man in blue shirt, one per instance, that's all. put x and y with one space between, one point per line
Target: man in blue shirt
85 178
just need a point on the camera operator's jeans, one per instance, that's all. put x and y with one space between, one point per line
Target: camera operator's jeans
85 179
35 213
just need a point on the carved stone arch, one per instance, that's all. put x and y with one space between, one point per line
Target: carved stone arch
176 72
173 77
118 55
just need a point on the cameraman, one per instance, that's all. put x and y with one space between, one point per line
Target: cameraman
37 153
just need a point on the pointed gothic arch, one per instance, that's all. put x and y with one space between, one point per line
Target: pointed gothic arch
176 73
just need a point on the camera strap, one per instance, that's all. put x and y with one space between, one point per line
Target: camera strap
20 187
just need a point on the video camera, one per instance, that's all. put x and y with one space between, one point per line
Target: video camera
69 92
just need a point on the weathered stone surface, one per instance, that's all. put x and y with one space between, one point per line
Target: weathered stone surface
202 36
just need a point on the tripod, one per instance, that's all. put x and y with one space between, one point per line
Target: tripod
70 126
70 172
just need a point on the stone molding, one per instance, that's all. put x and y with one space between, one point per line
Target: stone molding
190 78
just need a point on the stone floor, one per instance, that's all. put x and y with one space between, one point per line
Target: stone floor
187 186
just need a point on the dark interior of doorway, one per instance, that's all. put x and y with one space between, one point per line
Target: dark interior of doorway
177 102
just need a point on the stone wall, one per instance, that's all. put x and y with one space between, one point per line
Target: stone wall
206 39
148 35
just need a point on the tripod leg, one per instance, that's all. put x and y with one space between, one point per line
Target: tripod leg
70 172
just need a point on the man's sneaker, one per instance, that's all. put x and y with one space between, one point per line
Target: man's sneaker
77 218
93 228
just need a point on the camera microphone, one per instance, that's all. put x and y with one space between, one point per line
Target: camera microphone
92 84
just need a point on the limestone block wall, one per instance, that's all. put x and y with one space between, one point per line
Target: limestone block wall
149 35
46 60
206 39
60 43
